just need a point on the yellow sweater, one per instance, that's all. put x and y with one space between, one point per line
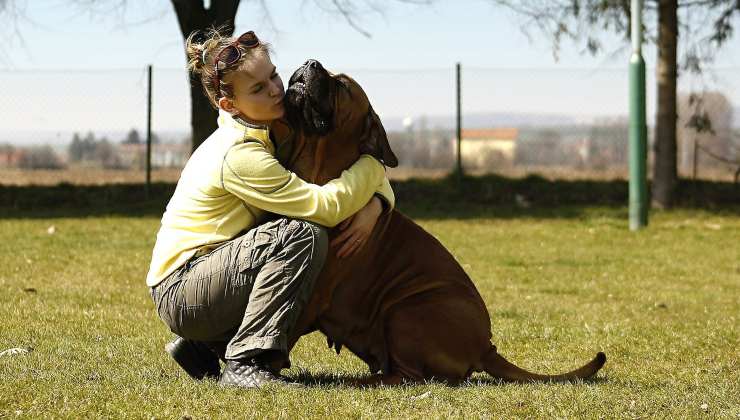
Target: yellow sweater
233 179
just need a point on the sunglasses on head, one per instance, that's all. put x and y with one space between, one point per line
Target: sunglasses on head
231 54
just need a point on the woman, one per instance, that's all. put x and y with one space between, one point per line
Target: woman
227 282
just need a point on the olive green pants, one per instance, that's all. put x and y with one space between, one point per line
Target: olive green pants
247 293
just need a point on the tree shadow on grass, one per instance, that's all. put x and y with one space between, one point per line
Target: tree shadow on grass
490 196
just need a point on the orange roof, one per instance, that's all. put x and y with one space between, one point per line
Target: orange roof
491 134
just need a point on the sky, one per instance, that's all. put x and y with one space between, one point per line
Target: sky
73 69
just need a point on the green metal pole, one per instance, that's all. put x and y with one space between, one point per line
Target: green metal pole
638 201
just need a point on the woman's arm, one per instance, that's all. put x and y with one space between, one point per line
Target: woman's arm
386 195
254 175
356 230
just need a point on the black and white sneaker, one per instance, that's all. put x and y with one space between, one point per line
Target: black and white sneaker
194 357
250 374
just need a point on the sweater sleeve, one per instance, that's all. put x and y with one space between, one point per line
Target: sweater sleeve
257 178
385 193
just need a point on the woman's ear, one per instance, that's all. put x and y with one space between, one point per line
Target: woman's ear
227 105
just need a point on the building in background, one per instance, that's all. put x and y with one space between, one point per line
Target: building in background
488 147
164 155
10 157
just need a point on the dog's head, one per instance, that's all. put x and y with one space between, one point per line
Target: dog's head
335 123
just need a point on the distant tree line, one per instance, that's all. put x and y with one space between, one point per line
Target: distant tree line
423 148
90 149
40 157
87 150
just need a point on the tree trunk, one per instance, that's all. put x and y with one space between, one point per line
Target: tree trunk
193 16
665 174
203 117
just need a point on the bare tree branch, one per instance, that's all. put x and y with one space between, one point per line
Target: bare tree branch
348 15
706 24
716 156
12 12
352 10
573 20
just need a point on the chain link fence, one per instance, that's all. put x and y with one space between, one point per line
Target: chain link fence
89 127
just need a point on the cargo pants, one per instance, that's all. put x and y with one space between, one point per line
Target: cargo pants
247 294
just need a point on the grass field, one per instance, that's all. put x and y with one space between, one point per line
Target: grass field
560 282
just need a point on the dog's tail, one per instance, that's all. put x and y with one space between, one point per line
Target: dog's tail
498 367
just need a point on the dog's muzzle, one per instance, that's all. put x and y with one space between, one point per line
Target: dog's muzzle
309 99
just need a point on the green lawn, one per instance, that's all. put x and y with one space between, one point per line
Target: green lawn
560 284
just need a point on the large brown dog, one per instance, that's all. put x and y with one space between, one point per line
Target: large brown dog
402 304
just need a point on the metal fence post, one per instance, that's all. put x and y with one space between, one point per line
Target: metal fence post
459 168
149 131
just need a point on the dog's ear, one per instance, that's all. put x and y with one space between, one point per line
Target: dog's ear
375 141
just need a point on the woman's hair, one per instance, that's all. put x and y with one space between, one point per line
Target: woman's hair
202 48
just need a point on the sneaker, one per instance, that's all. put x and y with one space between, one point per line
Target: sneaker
194 357
250 374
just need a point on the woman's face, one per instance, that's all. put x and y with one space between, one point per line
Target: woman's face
258 91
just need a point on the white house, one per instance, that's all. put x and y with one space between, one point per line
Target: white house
482 147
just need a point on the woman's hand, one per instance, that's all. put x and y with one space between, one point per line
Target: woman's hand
356 229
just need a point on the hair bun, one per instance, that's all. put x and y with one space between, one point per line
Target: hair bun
196 48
